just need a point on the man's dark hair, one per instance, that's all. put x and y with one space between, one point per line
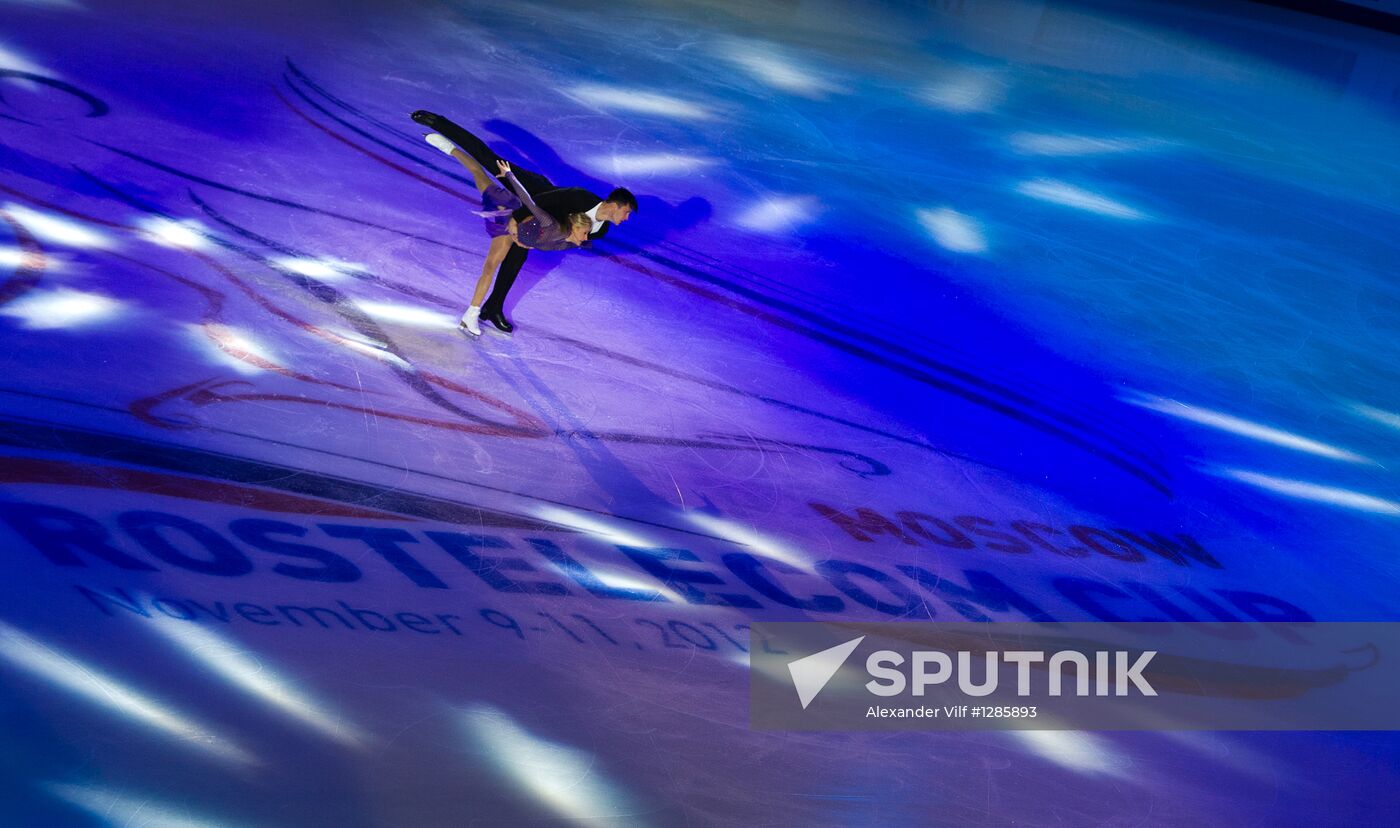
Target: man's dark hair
624 197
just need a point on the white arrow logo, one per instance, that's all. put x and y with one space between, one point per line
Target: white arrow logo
811 673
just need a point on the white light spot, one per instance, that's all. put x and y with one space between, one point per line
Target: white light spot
242 668
56 229
568 781
14 258
180 235
62 670
766 63
1068 195
1316 492
413 315
1032 143
324 269
965 92
61 308
1224 750
592 525
233 347
50 4
623 580
661 163
1071 749
1242 427
637 100
10 59
780 214
377 350
131 810
756 541
1377 415
953 230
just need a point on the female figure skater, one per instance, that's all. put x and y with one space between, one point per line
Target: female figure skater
539 232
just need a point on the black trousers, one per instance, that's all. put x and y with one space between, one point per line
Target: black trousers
534 184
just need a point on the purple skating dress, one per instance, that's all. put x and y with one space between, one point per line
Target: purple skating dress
539 232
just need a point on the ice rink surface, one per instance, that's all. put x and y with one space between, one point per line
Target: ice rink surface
962 310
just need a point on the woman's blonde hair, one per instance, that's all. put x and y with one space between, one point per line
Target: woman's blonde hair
580 221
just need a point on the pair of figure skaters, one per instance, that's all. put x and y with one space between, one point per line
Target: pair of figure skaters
524 211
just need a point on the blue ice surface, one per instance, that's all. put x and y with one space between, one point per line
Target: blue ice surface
903 257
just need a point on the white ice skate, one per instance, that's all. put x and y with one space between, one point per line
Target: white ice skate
440 142
469 321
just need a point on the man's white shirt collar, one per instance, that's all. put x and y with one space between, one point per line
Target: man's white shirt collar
593 214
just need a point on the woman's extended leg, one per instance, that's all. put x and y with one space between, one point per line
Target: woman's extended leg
500 245
480 177
533 182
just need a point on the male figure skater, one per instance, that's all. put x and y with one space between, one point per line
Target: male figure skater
558 202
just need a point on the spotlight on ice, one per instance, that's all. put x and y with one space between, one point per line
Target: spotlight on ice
1033 143
1376 415
1316 492
767 63
83 680
323 269
1225 750
953 230
659 163
360 345
1070 749
756 541
780 214
180 235
965 92
413 315
637 100
566 780
12 60
131 809
247 671
1068 195
592 525
61 308
58 229
232 347
49 4
622 580
1241 426
14 258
